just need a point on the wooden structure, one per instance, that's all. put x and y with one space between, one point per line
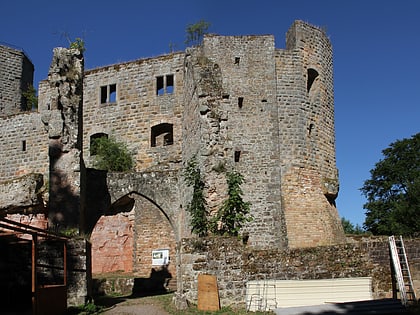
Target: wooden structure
46 298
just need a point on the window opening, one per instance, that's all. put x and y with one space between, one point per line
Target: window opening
237 59
113 93
109 94
161 135
225 96
23 145
312 75
237 156
165 84
160 90
93 145
169 84
104 94
240 102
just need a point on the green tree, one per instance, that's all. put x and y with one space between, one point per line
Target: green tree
234 212
197 206
195 32
111 155
350 228
393 191
31 98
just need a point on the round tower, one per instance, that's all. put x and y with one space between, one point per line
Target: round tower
307 137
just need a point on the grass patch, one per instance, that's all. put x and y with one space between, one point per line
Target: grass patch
163 301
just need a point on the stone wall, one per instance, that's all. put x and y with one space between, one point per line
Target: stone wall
234 263
16 74
24 146
62 116
130 113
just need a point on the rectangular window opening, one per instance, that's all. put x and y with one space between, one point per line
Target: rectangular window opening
237 156
237 59
23 145
240 102
169 84
112 93
160 90
104 94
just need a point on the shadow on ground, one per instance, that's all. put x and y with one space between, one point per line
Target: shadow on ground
156 284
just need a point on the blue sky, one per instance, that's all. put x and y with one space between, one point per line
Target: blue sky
376 47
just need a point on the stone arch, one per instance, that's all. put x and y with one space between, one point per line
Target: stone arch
143 203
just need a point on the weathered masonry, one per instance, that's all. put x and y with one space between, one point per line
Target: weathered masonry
16 75
234 102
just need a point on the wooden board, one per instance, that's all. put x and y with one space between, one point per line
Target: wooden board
208 293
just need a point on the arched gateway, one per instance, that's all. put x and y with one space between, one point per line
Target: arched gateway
137 234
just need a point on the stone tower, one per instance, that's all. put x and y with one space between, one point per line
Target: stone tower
16 75
268 113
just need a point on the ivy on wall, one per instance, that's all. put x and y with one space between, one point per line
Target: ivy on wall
198 205
233 213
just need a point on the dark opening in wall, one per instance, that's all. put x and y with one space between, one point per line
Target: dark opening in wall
310 128
104 94
109 94
160 90
225 96
169 84
161 135
312 75
93 149
112 93
23 145
237 59
165 84
237 156
240 102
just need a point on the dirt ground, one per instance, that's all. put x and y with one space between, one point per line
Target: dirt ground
135 309
133 306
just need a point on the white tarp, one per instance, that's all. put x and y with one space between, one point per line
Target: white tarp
270 294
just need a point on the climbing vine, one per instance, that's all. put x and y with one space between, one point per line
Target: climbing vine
234 212
198 204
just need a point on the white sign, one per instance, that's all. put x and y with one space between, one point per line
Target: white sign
160 257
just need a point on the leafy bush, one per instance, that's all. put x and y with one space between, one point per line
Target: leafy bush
31 98
111 155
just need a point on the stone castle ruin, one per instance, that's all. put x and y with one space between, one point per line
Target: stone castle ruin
234 102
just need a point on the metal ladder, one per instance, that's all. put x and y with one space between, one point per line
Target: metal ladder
402 271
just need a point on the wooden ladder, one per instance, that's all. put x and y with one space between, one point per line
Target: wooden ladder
402 271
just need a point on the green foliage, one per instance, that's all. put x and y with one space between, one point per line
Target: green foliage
197 205
195 32
31 98
86 309
111 155
79 44
350 228
393 191
234 211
